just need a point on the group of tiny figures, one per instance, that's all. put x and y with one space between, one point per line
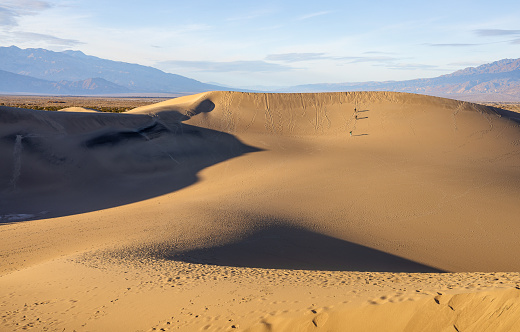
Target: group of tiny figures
355 117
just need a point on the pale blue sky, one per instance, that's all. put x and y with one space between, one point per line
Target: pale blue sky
248 43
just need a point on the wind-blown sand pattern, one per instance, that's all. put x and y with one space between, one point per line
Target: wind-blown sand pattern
362 211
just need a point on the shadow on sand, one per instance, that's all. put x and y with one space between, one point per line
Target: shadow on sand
61 164
513 116
284 247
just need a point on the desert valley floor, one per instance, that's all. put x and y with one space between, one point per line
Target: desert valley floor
228 211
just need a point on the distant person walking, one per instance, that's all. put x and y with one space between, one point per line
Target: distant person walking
350 133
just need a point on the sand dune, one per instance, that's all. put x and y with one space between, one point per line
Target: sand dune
78 110
93 161
442 312
335 202
412 167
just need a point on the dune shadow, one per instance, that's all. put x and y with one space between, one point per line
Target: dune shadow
50 173
513 116
284 247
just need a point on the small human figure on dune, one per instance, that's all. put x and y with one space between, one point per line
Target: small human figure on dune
350 133
355 117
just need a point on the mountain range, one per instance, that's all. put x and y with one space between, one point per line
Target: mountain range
497 81
40 71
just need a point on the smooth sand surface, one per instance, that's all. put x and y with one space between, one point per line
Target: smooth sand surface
262 212
78 110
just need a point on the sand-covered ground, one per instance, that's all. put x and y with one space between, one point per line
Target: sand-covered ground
224 211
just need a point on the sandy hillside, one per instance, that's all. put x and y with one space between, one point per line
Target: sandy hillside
78 110
282 212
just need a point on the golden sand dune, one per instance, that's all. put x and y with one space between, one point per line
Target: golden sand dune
429 169
283 212
78 110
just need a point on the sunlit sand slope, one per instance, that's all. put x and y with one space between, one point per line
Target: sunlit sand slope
424 178
498 310
283 212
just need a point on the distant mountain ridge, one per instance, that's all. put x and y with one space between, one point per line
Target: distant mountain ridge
77 73
496 81
40 71
20 84
501 66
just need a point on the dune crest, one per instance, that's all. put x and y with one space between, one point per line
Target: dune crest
298 113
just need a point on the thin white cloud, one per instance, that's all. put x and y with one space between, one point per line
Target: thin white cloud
250 16
8 17
296 57
411 66
377 52
311 15
31 5
225 66
381 59
496 32
11 11
454 45
462 45
39 37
